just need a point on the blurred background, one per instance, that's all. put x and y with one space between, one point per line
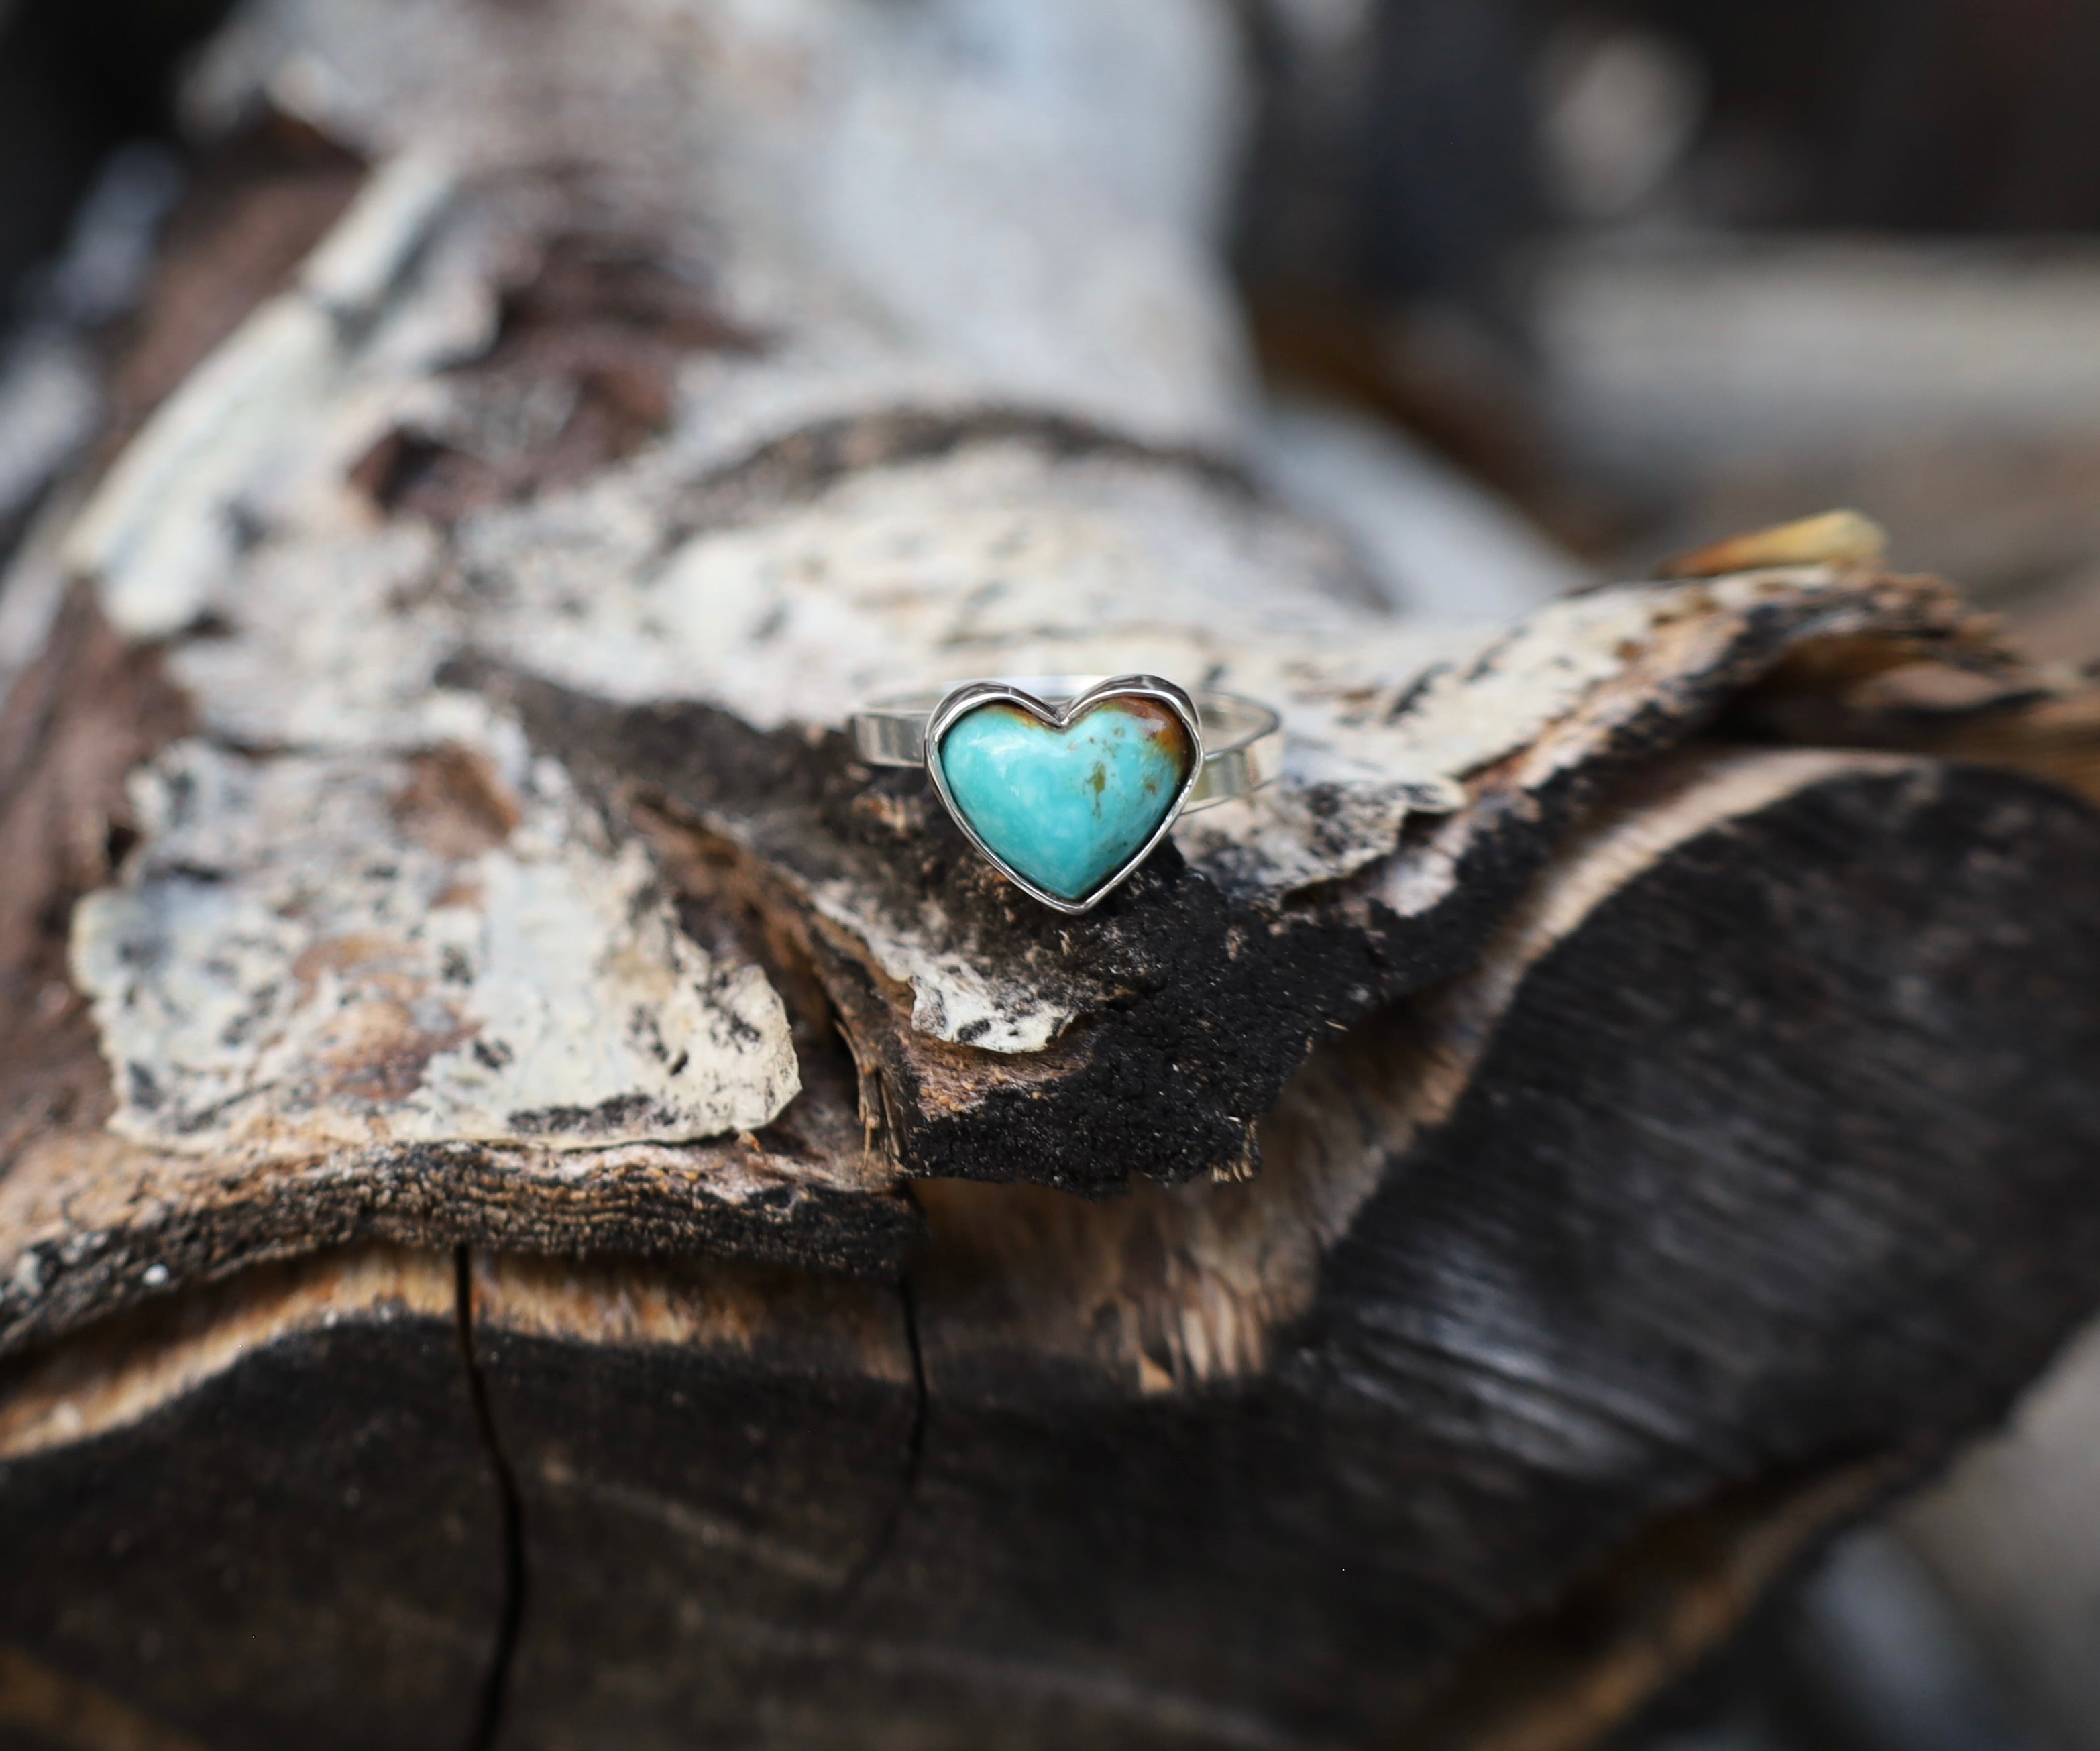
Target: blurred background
1540 291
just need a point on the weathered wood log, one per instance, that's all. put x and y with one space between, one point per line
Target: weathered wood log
542 1201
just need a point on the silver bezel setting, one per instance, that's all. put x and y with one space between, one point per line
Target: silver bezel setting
958 702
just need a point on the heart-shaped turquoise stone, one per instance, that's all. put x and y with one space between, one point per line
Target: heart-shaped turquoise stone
1066 808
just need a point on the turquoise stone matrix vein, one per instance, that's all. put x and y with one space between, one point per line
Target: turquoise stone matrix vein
1066 808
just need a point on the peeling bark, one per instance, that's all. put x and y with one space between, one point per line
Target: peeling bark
1619 1104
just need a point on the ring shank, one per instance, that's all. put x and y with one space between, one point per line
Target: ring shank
1241 742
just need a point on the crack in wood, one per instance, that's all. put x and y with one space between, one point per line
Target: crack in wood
883 1544
495 1691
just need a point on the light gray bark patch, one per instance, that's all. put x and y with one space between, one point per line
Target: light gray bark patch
308 953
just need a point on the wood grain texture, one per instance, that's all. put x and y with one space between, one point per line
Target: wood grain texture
309 1545
1613 1274
1618 1105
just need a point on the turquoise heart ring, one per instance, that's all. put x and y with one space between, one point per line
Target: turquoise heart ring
1065 783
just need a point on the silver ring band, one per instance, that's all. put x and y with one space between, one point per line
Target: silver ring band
1066 783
